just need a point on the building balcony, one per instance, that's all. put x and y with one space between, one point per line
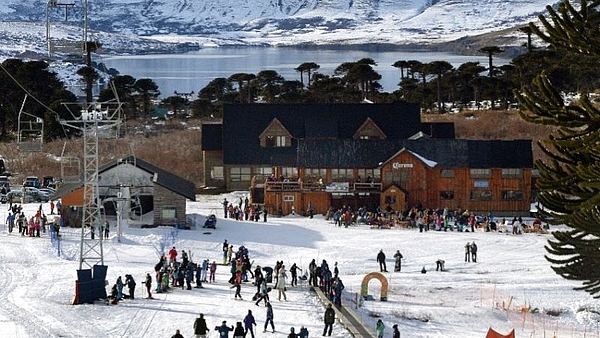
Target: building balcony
299 186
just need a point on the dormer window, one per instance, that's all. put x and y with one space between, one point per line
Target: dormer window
275 135
276 141
369 130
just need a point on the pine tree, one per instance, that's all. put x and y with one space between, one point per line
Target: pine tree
569 182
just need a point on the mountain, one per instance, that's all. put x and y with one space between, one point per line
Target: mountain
119 23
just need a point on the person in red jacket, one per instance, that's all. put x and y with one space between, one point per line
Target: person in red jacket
172 255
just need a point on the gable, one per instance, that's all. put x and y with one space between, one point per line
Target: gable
272 132
369 130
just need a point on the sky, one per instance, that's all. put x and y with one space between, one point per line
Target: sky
510 286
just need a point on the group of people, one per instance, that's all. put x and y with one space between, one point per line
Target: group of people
33 226
244 211
116 292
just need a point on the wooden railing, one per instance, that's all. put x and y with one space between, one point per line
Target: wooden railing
315 186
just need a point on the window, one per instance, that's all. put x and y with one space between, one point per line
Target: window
240 174
481 195
512 195
312 174
276 141
481 173
397 176
216 173
447 173
447 195
341 174
169 213
373 173
288 198
512 173
289 172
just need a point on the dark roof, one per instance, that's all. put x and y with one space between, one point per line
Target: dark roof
243 123
447 153
162 177
212 136
439 129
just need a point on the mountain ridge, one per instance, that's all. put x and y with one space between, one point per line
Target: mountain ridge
278 22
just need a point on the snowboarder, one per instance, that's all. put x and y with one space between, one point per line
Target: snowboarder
381 261
200 328
329 318
398 257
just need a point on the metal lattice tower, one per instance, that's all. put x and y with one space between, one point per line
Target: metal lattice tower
97 120
66 46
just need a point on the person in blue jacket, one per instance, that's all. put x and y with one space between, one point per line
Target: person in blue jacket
224 330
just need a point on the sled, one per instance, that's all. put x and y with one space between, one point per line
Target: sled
211 222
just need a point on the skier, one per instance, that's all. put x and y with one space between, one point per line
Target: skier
439 264
237 284
200 328
148 283
225 204
329 318
10 220
292 333
398 256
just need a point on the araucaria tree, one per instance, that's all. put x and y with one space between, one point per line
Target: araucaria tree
569 182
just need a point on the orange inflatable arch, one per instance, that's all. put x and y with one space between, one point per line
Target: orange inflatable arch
364 287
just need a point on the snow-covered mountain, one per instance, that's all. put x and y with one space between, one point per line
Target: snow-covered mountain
270 22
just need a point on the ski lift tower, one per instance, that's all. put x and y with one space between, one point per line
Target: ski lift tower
66 46
95 120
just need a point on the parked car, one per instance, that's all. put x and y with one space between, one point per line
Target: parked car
48 191
16 196
31 181
37 194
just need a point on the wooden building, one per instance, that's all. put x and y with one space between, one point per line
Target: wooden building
373 155
143 188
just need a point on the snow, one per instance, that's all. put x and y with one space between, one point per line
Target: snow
511 274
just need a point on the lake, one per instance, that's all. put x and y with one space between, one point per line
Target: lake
192 71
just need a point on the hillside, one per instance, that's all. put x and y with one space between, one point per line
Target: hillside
140 26
175 145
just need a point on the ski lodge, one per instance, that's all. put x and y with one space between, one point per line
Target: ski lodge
375 155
